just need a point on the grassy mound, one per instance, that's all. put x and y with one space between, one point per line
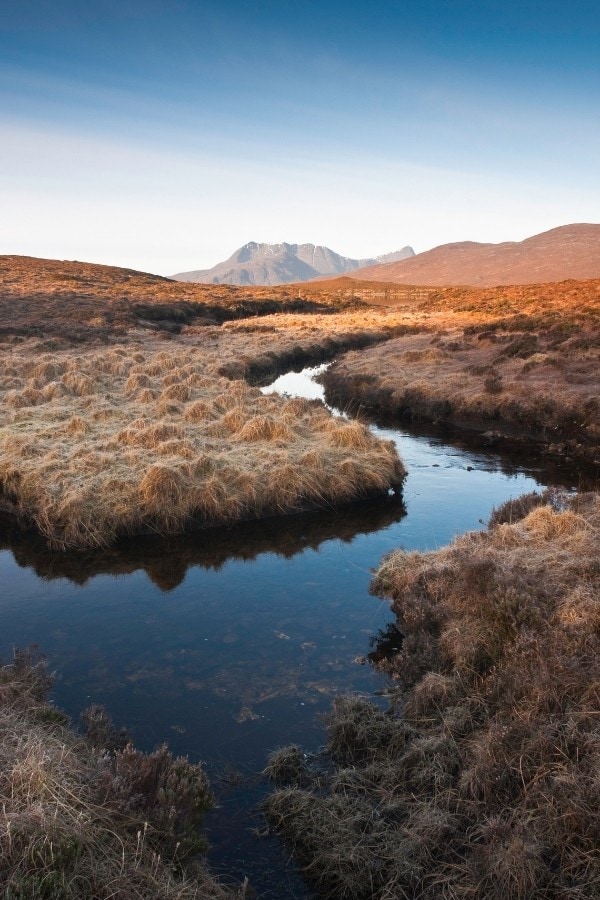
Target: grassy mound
92 817
482 781
138 438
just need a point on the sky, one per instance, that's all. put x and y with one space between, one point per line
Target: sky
162 135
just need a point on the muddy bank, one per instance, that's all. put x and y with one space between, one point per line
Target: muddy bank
480 781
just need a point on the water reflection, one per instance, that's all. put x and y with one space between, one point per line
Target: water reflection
386 644
229 642
166 560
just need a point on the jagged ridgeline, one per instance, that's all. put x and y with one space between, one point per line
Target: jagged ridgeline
256 263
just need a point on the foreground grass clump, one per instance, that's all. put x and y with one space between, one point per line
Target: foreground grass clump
482 781
92 817
136 439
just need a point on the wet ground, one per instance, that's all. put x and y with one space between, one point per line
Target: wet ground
230 643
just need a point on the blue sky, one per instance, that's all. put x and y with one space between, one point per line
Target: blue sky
164 135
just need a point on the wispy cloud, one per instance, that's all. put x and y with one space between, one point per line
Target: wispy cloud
163 135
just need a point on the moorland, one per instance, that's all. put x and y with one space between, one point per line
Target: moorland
517 363
129 404
119 428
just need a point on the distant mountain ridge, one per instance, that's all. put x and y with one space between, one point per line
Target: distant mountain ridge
272 264
569 251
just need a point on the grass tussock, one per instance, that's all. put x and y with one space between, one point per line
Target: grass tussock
482 779
92 816
528 372
159 441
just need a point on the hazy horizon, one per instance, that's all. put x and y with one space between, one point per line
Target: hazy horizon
163 136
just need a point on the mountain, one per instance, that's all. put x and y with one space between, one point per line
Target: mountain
284 263
570 251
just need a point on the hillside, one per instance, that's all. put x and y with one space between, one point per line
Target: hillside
272 264
71 300
570 251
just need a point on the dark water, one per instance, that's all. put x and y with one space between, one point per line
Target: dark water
230 643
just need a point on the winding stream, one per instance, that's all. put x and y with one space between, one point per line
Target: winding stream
230 643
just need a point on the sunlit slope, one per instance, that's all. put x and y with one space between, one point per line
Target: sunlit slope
570 251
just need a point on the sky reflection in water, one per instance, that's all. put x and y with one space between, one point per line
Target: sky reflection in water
229 644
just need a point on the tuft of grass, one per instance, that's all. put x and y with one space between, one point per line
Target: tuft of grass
90 465
288 765
481 780
92 816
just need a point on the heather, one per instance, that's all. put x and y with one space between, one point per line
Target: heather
90 815
481 780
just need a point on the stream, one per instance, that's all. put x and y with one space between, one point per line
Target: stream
232 642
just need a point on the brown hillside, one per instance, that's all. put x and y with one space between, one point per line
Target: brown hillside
78 301
571 251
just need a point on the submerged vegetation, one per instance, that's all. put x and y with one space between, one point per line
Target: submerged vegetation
482 780
92 816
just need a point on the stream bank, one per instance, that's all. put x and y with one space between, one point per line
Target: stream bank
479 779
512 387
227 645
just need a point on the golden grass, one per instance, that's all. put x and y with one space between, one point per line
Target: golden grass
67 303
526 377
482 781
92 817
140 438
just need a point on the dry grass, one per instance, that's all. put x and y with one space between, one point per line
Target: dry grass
66 302
516 300
528 371
80 818
154 436
482 782
141 437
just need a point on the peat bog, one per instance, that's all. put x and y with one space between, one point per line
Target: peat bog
233 645
230 643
